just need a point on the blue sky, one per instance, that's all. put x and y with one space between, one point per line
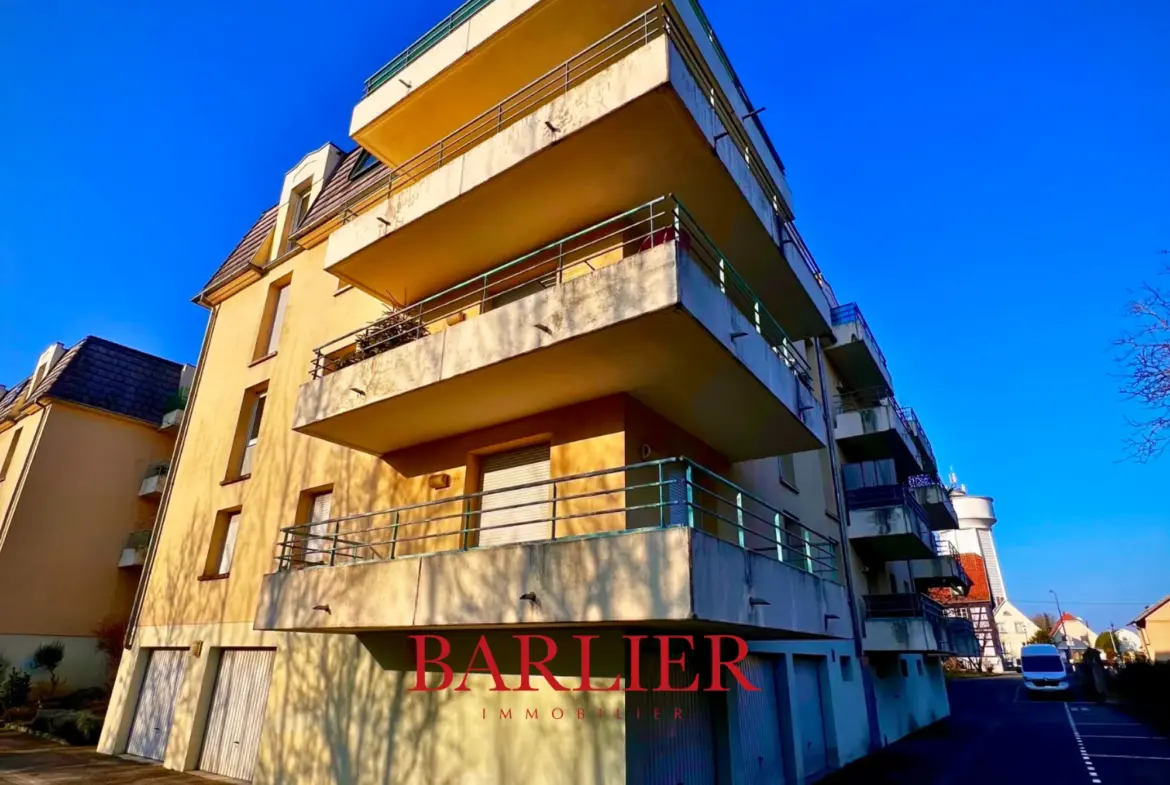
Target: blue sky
989 180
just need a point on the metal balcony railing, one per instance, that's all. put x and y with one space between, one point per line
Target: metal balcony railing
945 548
657 21
663 220
872 398
892 496
653 495
902 606
158 469
138 540
428 41
916 430
846 314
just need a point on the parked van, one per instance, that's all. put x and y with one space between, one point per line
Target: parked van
1044 669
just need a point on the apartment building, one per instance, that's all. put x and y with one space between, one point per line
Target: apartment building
544 354
85 442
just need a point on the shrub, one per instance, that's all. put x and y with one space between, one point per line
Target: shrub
14 689
1145 687
75 727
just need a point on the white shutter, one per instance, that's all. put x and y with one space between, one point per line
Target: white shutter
318 543
156 704
278 318
759 724
810 715
231 740
518 515
229 544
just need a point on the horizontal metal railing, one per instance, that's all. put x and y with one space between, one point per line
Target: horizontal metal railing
157 469
916 429
945 548
653 495
892 496
663 220
901 606
138 540
845 314
424 44
872 398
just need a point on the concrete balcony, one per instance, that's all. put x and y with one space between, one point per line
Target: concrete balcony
936 500
905 624
855 352
638 122
154 482
918 433
962 639
642 304
172 421
663 543
870 426
134 550
886 523
943 570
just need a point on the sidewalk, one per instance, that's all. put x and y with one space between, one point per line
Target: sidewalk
26 760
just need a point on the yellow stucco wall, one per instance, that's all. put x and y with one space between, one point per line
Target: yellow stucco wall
27 428
1155 634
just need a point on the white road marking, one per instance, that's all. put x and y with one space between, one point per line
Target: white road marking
1081 746
1130 757
1099 736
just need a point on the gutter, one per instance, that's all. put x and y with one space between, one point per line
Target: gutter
176 456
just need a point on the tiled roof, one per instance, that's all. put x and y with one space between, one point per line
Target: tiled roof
1151 609
341 188
106 375
241 258
980 590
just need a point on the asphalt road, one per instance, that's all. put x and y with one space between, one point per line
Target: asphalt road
997 735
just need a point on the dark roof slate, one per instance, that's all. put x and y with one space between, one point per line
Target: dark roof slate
108 376
341 187
241 258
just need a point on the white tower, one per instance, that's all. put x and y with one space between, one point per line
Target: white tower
976 519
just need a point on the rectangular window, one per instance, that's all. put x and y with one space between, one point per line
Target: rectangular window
8 456
1002 628
275 308
788 470
796 539
247 437
223 544
846 668
1021 628
919 664
318 510
298 209
905 669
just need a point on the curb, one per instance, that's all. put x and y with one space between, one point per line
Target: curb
34 733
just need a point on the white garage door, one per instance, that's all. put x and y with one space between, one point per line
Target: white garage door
156 704
521 515
810 712
759 724
232 739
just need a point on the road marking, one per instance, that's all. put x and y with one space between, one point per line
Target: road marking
1130 757
1099 736
1081 746
1111 723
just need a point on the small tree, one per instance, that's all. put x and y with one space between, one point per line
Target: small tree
1042 635
48 657
1144 358
14 689
1045 621
1104 642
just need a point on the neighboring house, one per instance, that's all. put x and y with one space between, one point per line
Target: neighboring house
978 606
84 452
1153 626
1073 634
1015 630
1128 641
544 355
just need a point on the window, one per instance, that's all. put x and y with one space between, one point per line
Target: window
788 470
365 163
905 669
797 552
317 510
919 664
223 544
8 456
893 584
247 433
1021 628
297 210
1002 628
846 668
275 308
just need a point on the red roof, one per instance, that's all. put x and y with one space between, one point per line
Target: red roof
1063 618
980 589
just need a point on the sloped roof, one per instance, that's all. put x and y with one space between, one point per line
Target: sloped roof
980 592
1141 617
108 376
245 251
341 187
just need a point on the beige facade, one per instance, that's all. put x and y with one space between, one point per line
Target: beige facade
1153 627
557 371
1015 630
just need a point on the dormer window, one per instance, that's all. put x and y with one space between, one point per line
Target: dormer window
298 209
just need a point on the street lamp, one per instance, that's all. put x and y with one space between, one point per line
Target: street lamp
1059 620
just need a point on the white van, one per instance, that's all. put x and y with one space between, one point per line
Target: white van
1044 669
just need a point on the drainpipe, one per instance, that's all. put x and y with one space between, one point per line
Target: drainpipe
871 712
176 455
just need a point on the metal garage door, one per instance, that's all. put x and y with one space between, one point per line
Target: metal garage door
521 515
669 751
759 724
811 716
232 738
156 704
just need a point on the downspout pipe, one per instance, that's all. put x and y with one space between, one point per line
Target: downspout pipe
871 712
176 456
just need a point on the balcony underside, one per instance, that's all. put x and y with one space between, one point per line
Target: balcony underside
910 635
939 572
940 512
495 53
530 185
888 534
675 575
858 442
651 325
855 360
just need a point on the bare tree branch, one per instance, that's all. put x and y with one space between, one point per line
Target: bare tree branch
1143 354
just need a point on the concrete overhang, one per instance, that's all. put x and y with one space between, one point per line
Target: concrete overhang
893 533
940 572
855 354
641 128
653 325
675 575
913 634
876 433
940 511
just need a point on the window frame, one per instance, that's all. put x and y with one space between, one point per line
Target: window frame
225 538
10 454
272 319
